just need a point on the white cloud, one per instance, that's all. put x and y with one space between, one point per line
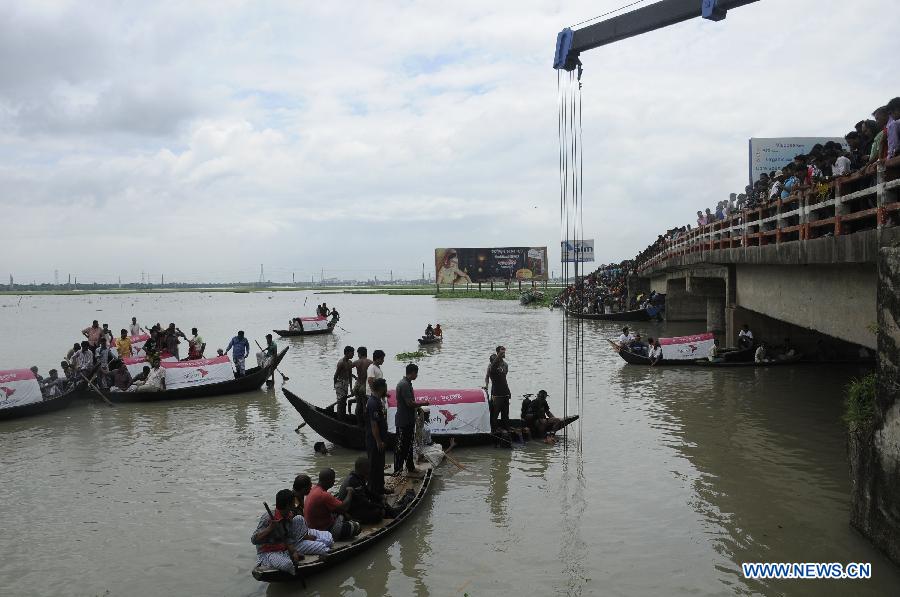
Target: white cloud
362 139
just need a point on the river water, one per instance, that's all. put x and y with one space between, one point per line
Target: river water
683 474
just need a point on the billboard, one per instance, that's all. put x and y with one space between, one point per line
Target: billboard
767 155
466 265
577 250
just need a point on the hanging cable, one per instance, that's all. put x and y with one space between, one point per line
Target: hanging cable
606 14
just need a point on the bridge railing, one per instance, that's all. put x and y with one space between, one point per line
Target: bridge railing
863 200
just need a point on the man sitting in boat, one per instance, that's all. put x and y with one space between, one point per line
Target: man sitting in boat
542 420
121 379
154 382
625 338
365 507
324 512
655 352
745 337
713 354
279 536
429 332
438 332
295 325
760 355
637 346
53 385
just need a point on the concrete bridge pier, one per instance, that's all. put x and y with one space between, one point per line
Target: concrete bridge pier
682 305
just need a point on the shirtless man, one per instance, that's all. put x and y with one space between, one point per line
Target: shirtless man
343 374
361 365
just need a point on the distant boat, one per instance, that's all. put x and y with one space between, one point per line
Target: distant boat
635 315
310 326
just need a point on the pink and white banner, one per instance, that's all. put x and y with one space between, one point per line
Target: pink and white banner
18 387
686 348
313 324
136 364
137 344
462 412
199 372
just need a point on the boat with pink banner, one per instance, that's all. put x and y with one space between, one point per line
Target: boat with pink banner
308 326
687 350
21 396
459 415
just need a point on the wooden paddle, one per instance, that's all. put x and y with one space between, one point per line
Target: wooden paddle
97 390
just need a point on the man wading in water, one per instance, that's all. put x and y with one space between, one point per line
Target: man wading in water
500 394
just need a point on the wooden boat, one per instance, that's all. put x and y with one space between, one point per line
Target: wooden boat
424 341
773 363
344 431
253 379
731 356
293 333
636 315
39 408
370 534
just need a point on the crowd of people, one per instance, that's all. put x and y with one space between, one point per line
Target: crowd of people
872 140
605 287
99 359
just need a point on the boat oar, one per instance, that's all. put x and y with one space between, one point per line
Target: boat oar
284 377
450 458
93 387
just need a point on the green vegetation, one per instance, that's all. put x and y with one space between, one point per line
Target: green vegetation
462 293
411 356
859 403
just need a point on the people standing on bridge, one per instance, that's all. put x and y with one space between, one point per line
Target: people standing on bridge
343 375
241 350
497 371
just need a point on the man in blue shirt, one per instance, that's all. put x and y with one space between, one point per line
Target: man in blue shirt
241 350
376 434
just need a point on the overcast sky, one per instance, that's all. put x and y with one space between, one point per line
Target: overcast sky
200 139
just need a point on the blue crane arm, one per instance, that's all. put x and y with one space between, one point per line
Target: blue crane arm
570 43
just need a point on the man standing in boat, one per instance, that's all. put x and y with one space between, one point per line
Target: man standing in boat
405 421
376 433
500 393
241 350
361 365
343 374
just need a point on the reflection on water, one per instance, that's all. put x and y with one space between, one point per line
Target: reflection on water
684 473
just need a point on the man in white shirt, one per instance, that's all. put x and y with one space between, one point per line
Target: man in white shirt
841 166
745 337
156 379
374 371
135 329
713 354
625 338
655 352
760 355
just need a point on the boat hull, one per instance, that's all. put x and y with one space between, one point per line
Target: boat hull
371 534
636 315
347 434
39 408
252 380
295 333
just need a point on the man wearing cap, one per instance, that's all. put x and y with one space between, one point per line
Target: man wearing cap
543 420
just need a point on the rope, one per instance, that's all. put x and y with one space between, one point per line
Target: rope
606 14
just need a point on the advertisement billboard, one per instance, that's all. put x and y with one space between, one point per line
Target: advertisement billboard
767 155
467 265
577 250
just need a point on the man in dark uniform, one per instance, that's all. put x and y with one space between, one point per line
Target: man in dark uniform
500 393
376 433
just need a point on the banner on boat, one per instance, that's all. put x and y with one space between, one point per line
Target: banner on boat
313 324
577 250
18 387
686 348
199 372
767 155
136 364
464 266
137 344
463 412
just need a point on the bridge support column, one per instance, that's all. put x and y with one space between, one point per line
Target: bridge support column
715 314
681 305
875 447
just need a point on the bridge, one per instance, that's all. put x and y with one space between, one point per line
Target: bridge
803 267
